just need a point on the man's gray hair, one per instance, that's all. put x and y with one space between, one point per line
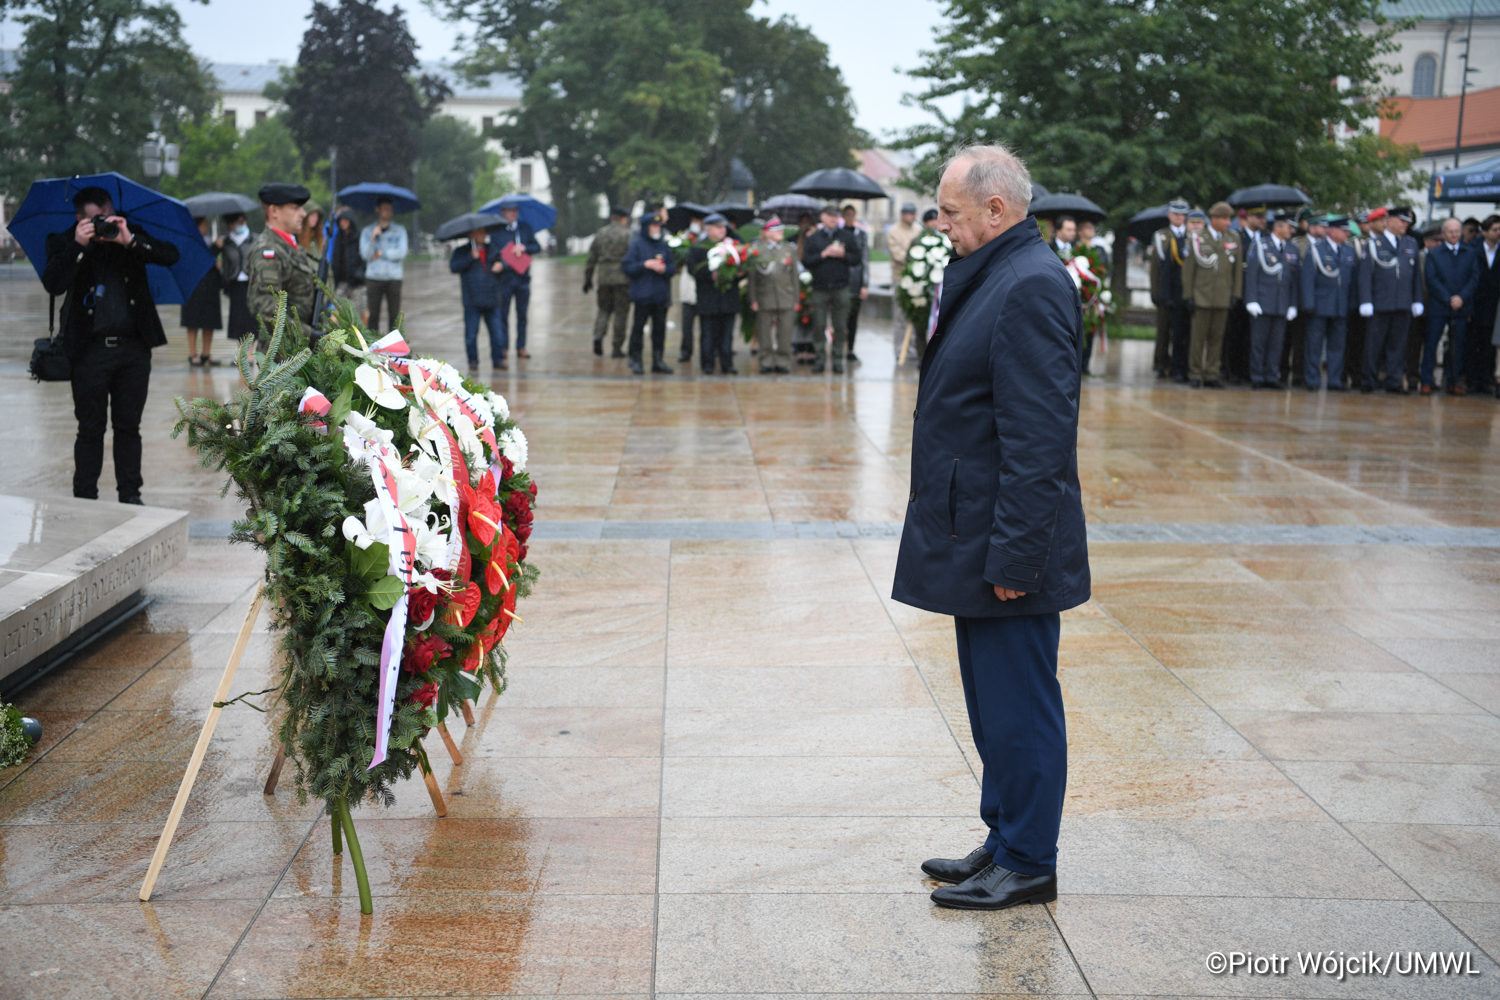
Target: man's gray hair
994 170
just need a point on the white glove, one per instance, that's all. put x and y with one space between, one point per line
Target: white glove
1367 309
1418 308
1253 308
1291 313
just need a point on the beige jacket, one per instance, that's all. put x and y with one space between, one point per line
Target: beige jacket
897 239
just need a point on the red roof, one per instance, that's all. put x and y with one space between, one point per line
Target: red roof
1431 123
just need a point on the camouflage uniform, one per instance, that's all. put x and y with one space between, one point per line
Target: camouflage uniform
606 253
274 265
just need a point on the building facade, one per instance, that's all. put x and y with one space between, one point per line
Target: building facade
243 103
1426 75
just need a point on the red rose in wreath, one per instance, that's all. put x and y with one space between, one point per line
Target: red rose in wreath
422 654
426 695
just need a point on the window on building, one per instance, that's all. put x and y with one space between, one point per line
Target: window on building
260 116
229 118
1424 77
525 184
487 123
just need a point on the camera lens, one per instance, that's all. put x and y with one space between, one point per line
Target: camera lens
106 230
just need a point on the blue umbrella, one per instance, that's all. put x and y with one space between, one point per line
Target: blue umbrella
364 196
537 214
48 208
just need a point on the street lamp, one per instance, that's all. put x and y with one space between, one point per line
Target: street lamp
157 155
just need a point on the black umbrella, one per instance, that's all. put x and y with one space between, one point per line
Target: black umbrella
219 203
1144 224
1269 195
837 182
1037 191
1076 205
791 206
736 213
681 215
466 224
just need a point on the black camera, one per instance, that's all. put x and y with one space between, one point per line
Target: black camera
106 229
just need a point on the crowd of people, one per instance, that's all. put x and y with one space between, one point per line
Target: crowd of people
1277 299
805 286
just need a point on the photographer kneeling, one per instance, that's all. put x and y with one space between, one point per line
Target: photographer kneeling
110 323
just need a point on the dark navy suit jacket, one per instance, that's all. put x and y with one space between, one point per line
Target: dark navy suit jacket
523 235
1450 274
994 459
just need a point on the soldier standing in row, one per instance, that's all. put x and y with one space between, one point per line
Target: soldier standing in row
1389 297
775 298
1172 317
1354 330
1271 291
275 263
1329 271
605 254
1310 228
1237 328
1213 272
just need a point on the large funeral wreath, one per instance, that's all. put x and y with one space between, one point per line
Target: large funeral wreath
391 498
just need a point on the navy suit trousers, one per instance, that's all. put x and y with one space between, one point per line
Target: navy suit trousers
1324 330
1438 317
521 292
1009 669
1385 343
1266 334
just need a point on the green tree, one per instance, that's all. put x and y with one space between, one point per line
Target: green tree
90 76
452 156
216 157
785 113
489 181
642 98
618 96
355 88
1132 102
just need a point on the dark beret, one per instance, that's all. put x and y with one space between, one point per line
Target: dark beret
284 194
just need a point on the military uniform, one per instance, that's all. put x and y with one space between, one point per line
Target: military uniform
1236 358
1327 275
1213 275
1271 286
1296 329
1389 282
1354 329
775 291
274 265
613 296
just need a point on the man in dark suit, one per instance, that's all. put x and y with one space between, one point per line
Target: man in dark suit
1065 231
110 324
994 530
1388 299
1328 273
1479 366
514 284
1452 277
1167 248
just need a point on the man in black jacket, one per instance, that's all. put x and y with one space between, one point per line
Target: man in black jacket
994 531
829 253
718 311
110 322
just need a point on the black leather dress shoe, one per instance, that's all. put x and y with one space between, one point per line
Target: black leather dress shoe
997 888
960 869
